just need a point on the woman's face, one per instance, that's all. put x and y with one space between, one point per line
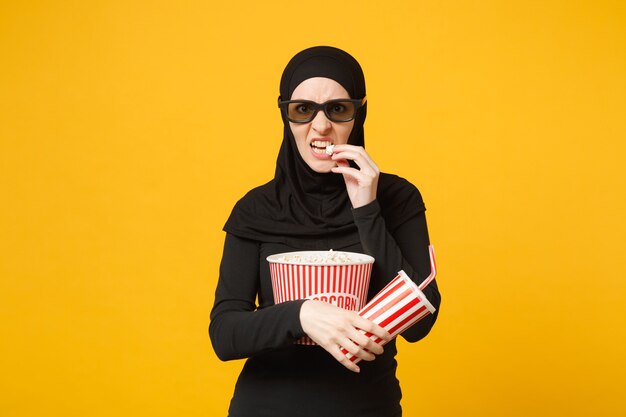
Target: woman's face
313 137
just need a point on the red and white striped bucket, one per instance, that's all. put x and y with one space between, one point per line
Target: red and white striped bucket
335 277
399 305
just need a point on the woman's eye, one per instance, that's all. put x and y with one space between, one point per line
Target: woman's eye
303 108
338 108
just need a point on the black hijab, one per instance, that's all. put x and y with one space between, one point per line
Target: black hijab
301 206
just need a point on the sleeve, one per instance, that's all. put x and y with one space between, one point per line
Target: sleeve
237 329
406 248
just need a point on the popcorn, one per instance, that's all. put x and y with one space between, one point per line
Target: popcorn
329 149
325 258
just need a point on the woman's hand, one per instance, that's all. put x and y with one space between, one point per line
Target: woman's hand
361 183
333 328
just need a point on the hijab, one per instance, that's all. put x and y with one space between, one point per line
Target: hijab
300 206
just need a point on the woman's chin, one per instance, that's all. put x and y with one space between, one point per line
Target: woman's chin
322 167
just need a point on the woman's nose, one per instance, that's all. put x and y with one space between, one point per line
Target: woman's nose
320 123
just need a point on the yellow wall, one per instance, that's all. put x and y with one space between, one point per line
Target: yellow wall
124 146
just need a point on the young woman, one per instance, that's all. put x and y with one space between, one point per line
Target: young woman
318 201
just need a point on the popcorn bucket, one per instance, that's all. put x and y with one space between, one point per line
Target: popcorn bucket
338 278
399 305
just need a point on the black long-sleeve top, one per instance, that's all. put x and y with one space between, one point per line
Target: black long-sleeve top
281 378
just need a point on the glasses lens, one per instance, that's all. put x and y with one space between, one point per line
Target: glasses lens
300 111
335 110
340 111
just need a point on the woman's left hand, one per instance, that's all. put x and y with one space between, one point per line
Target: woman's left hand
361 183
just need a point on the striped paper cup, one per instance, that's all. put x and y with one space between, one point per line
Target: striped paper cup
398 306
338 278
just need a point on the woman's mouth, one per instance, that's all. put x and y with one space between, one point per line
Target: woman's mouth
319 147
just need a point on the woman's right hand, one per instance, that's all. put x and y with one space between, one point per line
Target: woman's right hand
332 328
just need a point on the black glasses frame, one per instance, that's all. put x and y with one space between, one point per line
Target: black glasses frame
322 106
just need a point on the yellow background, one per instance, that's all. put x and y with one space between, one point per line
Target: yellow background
130 128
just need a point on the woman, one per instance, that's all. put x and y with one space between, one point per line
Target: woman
318 201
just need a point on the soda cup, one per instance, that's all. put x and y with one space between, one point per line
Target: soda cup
398 306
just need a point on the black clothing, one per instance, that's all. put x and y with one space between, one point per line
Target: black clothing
283 379
301 209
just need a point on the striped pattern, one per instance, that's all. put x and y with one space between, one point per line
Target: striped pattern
433 269
398 306
342 285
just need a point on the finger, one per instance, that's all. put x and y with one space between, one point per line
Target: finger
369 326
361 151
357 350
351 172
356 150
346 147
362 162
364 340
353 152
336 352
370 173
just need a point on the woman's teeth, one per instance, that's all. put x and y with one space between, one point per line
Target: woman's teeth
319 146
